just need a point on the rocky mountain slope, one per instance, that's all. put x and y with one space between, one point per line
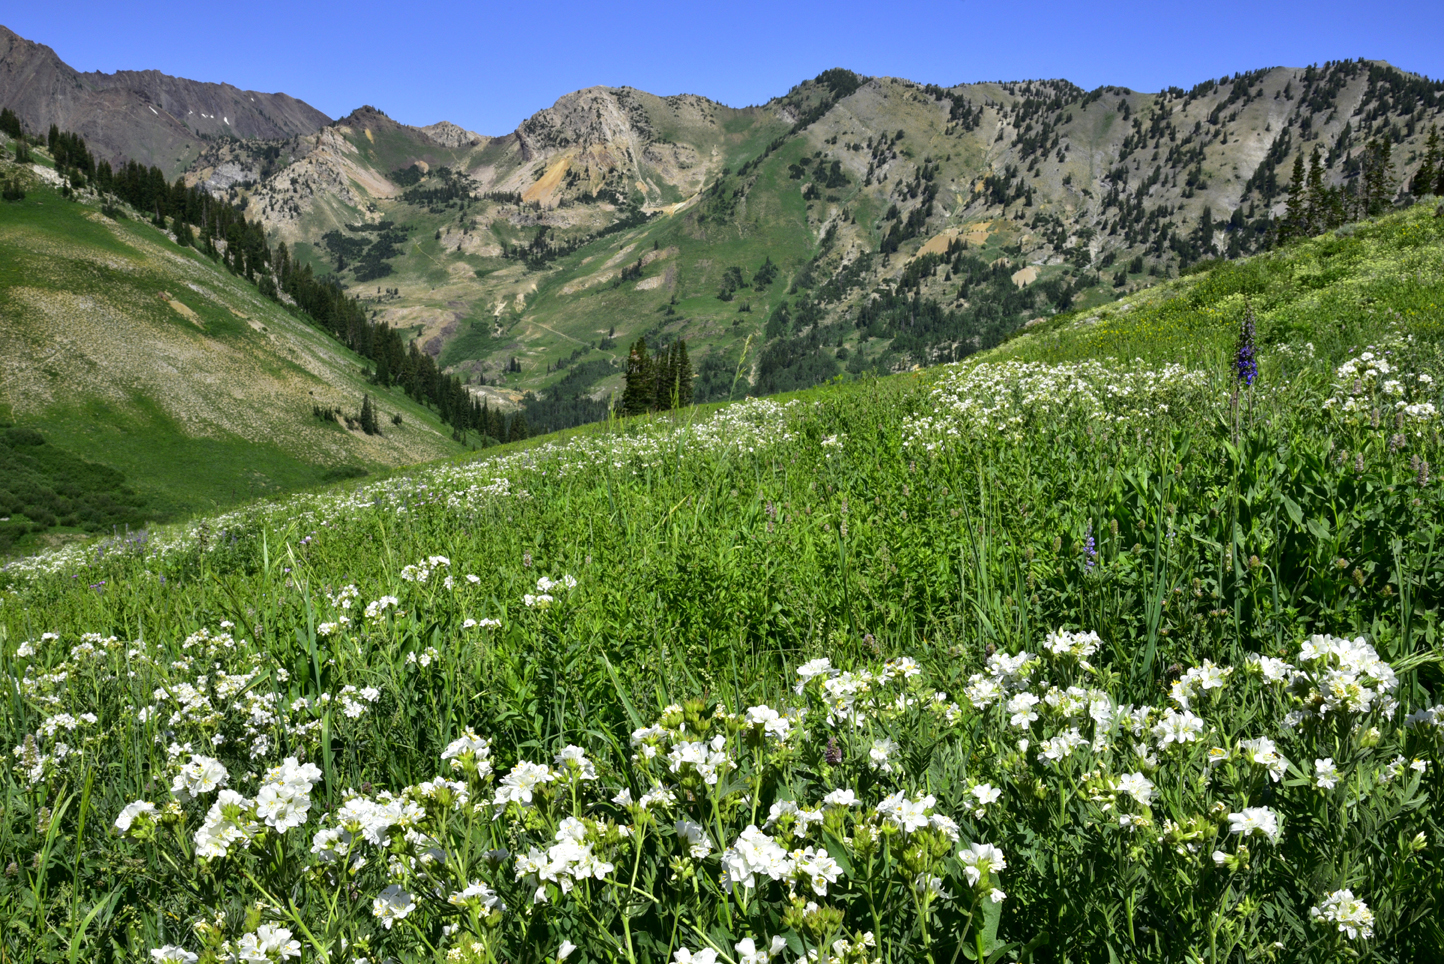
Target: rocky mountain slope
853 224
141 115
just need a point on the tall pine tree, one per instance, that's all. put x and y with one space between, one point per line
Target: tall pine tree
641 389
1378 177
683 369
1429 169
1296 210
1317 203
369 425
663 368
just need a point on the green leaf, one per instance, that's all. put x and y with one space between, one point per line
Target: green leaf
992 912
1292 508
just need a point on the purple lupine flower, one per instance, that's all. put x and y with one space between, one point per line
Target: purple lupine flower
1245 358
1090 550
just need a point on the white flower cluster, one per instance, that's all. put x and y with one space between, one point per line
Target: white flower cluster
1206 680
1256 821
544 595
1062 644
1004 399
281 804
748 952
696 762
421 571
377 608
854 695
1348 913
267 943
1335 675
1369 387
754 854
469 752
568 860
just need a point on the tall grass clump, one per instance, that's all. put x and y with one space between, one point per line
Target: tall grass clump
1091 649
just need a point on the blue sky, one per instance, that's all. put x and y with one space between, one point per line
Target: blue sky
487 66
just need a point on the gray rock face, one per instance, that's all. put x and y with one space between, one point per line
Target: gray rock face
140 115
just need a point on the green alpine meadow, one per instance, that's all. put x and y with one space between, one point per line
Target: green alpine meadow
994 522
1117 642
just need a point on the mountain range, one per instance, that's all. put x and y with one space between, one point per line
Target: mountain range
851 225
140 115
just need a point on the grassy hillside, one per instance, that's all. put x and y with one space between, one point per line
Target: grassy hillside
124 349
1083 649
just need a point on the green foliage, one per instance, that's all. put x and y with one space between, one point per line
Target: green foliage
407 177
10 124
43 487
712 560
641 385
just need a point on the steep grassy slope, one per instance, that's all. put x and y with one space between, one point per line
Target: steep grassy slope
127 350
1076 650
1326 296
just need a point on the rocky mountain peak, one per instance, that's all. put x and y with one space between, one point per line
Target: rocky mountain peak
141 115
451 135
595 116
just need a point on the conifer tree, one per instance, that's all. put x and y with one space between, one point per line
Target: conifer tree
1378 177
663 375
1317 203
1294 212
517 431
369 424
683 370
496 425
10 123
641 387
1429 170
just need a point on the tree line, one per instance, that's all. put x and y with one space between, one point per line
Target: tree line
221 230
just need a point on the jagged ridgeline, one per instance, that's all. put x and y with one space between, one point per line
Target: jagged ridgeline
853 225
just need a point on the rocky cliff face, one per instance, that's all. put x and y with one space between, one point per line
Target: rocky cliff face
142 115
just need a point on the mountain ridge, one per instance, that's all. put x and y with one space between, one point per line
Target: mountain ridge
846 185
141 115
853 224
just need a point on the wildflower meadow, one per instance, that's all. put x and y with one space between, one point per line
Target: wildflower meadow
1058 654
